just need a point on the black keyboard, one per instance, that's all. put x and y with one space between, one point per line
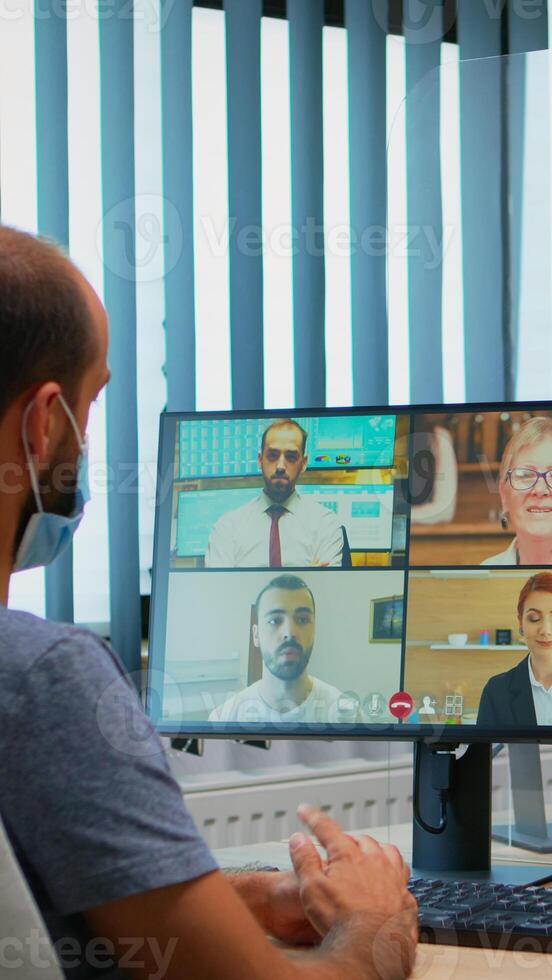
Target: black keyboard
489 915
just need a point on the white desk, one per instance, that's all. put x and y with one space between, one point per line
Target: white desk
433 962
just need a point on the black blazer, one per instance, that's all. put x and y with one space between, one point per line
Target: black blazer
507 700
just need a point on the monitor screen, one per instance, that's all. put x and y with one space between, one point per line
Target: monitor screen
230 446
354 573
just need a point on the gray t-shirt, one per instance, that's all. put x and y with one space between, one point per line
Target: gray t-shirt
86 794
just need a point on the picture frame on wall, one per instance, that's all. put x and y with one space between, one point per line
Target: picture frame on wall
386 619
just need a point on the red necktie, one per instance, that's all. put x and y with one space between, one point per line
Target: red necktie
274 548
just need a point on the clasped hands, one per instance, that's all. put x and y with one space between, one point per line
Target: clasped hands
361 882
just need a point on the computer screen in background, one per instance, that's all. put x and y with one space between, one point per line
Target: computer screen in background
376 573
365 511
230 446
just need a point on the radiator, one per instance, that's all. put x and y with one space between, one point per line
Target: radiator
233 808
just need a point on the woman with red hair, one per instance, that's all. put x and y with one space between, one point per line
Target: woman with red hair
522 697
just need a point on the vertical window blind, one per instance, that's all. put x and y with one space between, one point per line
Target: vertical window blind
239 188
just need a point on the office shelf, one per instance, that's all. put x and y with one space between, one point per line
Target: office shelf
478 646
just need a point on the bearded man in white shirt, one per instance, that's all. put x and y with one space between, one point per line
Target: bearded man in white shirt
284 633
280 528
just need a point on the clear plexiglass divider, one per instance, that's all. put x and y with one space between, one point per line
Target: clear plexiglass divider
469 264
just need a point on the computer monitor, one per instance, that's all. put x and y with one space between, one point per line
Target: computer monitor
367 573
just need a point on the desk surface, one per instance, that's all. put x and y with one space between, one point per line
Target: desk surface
433 962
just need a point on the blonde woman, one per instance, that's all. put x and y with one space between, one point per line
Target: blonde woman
525 487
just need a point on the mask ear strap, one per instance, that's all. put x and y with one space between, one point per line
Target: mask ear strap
81 442
27 448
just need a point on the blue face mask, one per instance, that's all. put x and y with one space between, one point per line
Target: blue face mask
46 534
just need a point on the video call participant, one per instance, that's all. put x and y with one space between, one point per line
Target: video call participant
525 486
522 696
284 633
115 852
280 528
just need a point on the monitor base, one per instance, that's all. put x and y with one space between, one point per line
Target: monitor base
498 874
453 842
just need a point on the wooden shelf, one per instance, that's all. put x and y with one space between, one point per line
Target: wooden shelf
489 466
479 646
453 529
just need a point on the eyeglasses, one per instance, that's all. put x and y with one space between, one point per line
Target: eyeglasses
525 478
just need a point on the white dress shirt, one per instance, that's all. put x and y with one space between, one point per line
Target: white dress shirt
310 534
507 557
542 698
320 706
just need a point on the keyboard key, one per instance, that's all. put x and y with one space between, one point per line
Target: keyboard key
533 926
431 917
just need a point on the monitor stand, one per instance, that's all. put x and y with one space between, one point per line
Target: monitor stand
463 849
530 829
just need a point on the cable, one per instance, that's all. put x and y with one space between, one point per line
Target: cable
441 780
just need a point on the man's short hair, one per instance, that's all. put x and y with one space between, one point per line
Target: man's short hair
45 324
282 424
291 582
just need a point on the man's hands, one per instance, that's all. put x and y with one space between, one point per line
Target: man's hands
360 875
357 901
285 915
273 898
358 898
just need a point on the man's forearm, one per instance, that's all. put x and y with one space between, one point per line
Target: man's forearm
350 951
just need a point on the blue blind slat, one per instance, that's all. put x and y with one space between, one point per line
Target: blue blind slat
479 36
306 20
368 176
117 138
176 121
423 46
243 57
53 213
524 34
527 30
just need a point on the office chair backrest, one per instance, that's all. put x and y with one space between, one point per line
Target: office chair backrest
26 952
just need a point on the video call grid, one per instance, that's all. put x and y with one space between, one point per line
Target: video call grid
413 568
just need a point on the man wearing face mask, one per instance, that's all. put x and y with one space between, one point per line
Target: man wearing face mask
44 534
90 807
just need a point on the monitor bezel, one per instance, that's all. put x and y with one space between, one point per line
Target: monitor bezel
435 734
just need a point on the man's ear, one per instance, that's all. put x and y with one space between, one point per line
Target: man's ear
40 420
260 460
305 461
255 635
